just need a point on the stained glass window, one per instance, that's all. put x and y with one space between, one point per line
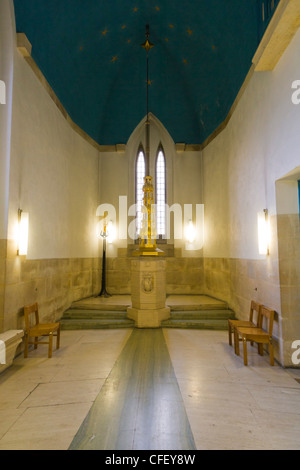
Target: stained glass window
140 175
161 193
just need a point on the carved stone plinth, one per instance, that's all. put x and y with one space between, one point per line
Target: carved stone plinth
148 292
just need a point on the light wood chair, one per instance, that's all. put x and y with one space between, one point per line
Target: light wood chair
35 329
258 335
253 322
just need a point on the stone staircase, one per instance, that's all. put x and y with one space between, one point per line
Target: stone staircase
78 317
199 319
190 312
198 312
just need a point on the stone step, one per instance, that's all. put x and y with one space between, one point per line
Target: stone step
95 323
202 324
216 319
99 307
78 313
198 307
202 314
76 318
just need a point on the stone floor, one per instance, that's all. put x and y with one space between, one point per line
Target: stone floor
43 402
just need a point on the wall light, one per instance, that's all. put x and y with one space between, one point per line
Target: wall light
23 232
190 232
263 232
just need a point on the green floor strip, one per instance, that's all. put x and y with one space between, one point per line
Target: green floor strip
140 406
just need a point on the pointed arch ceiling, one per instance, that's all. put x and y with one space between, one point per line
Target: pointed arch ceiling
90 53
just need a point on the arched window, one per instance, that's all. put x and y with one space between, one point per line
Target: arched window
140 174
160 171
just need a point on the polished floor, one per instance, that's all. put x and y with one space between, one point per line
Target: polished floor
193 393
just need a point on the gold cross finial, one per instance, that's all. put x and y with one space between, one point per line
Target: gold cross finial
147 44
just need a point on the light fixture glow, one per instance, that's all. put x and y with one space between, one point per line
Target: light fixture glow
190 232
263 232
111 232
23 232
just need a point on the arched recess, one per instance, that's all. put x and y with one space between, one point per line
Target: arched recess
288 233
159 137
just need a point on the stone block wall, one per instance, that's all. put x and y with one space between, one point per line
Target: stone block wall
183 275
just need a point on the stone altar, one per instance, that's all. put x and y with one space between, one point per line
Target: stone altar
148 292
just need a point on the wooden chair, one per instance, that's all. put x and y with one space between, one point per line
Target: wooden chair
251 323
35 329
258 335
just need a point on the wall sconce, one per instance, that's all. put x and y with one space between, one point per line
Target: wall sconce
23 219
263 232
190 232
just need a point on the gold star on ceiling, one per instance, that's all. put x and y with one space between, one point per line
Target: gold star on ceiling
104 32
189 31
147 45
114 59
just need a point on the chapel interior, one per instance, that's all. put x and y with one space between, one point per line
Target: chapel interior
110 108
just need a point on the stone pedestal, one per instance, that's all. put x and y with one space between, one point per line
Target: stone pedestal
148 292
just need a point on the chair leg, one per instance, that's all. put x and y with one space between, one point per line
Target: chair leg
236 343
36 340
229 334
235 339
245 351
26 346
271 351
58 338
50 344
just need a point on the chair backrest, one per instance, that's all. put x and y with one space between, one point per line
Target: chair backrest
31 315
268 315
255 307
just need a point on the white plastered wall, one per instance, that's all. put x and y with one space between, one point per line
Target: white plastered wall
53 174
259 145
7 44
241 166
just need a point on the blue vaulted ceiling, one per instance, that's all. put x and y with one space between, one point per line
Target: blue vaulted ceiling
90 52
